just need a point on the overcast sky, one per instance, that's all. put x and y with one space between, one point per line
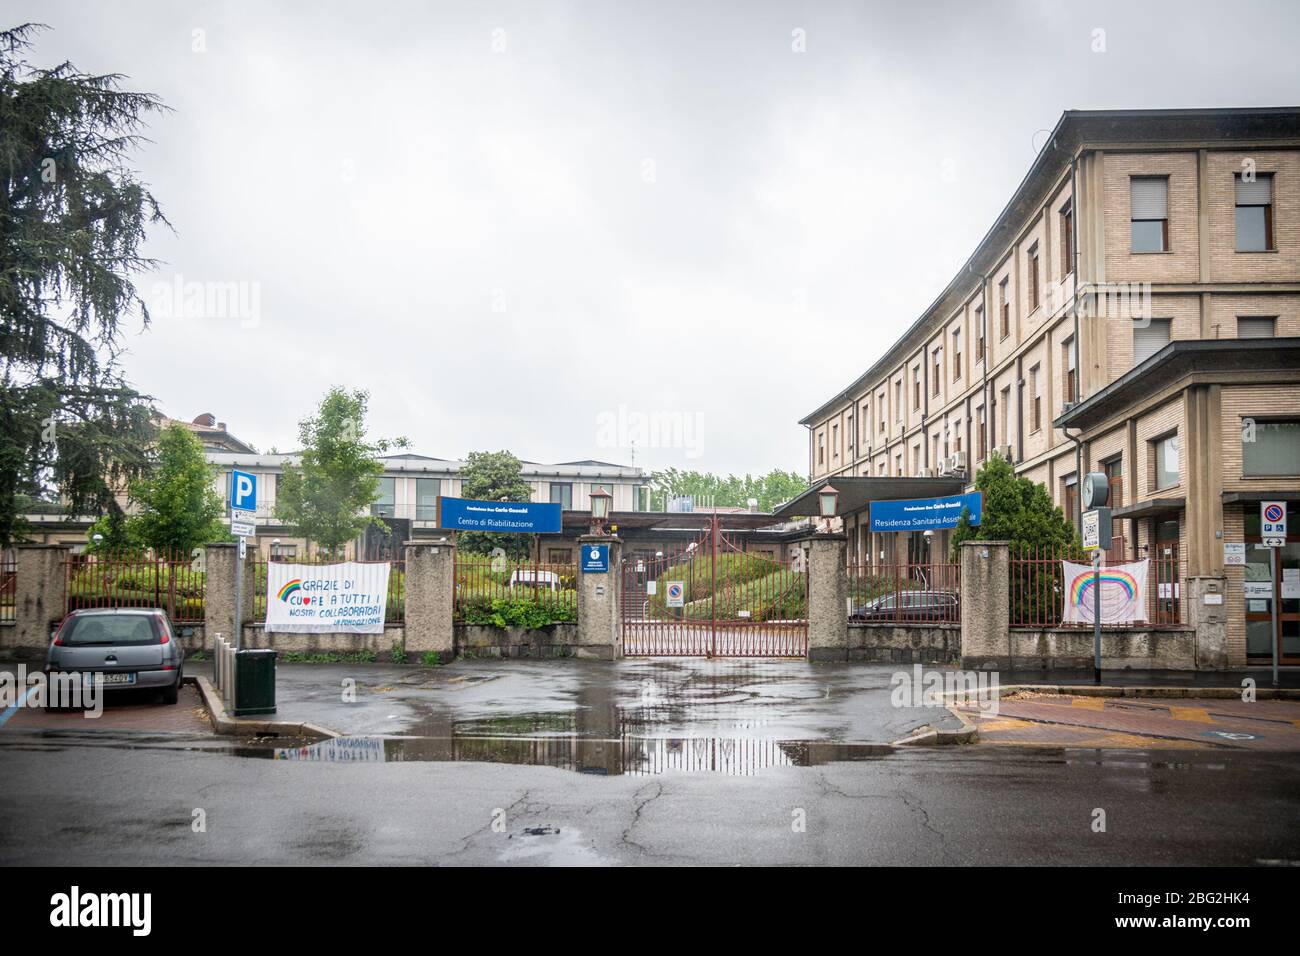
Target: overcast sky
525 225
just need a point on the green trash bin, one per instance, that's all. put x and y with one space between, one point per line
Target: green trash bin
254 682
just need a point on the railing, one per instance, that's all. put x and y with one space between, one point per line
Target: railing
481 581
1037 589
905 593
8 587
173 582
395 609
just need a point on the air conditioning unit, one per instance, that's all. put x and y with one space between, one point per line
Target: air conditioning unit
1003 451
927 473
957 463
945 467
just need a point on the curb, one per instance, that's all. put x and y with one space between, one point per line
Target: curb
968 734
223 723
1212 693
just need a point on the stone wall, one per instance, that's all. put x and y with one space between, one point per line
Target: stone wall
1121 649
477 640
904 643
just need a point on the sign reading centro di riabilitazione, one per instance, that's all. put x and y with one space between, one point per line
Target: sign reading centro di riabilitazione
522 517
925 514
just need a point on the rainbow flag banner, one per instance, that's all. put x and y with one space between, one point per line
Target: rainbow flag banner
345 598
1123 593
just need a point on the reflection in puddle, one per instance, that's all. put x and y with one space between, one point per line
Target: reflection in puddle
604 757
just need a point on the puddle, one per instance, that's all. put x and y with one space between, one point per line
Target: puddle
602 757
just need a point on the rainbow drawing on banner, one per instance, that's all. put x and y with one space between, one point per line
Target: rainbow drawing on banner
1123 593
289 588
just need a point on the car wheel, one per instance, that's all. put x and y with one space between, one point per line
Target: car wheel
172 694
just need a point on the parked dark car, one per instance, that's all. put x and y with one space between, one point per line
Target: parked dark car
911 607
123 648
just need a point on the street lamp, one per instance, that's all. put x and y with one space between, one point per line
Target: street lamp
600 502
275 549
827 499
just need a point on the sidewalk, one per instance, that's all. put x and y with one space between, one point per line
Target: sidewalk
1058 720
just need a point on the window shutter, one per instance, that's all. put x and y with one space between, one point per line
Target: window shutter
1149 339
1150 199
1258 193
1256 328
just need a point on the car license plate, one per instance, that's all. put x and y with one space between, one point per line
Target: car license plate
114 678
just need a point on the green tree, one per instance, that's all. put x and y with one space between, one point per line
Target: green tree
180 508
495 476
72 219
770 490
326 497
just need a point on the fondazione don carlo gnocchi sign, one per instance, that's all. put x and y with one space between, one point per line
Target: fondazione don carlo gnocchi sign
925 514
520 517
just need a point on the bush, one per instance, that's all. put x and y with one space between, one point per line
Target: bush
515 612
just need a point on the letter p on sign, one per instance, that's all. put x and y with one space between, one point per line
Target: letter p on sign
243 491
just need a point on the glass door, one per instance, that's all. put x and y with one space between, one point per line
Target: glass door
1264 585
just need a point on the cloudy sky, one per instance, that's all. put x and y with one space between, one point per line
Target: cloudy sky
561 227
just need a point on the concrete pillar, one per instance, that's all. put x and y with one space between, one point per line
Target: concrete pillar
430 598
219 562
40 595
985 604
828 597
600 636
1207 612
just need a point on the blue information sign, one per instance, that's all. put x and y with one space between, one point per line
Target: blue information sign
925 514
595 559
523 517
243 491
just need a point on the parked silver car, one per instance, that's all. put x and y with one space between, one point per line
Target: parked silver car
124 648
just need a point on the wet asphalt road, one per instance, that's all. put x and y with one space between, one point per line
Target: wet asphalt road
112 797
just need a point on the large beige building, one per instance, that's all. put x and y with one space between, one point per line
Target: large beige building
1135 309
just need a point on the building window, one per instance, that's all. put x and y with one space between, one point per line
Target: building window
1255 213
1070 496
1270 448
1004 417
916 386
427 491
898 400
938 370
1004 307
979 328
1165 461
1035 399
956 355
562 495
1149 337
835 441
1114 469
980 445
821 448
1256 327
280 552
849 433
1033 277
880 406
1067 238
559 555
898 465
385 505
1149 205
1070 382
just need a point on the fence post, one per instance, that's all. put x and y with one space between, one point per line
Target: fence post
985 605
219 562
600 635
1206 598
40 594
430 598
828 596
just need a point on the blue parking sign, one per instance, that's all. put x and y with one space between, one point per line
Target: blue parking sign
595 559
243 491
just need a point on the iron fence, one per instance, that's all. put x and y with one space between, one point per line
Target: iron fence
1037 588
174 582
905 593
496 590
8 587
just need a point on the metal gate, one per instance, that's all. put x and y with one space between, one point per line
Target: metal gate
713 599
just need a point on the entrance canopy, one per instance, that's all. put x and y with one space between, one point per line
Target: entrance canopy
857 493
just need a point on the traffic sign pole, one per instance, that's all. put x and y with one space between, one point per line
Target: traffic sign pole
1272 576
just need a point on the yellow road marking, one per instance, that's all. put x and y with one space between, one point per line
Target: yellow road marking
1198 714
1006 724
1088 703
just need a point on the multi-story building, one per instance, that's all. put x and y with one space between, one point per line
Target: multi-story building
1134 309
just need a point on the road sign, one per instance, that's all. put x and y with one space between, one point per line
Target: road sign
1275 542
1272 517
249 517
676 594
243 529
595 558
243 491
1096 529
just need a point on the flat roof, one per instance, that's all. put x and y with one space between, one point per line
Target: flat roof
858 492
